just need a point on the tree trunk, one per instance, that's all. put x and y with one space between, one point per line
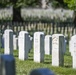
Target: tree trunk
17 14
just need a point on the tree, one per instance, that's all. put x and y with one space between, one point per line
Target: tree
17 4
61 3
72 5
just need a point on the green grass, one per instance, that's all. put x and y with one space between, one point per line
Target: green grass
24 67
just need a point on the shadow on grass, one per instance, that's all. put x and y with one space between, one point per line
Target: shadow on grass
47 62
15 55
68 66
30 57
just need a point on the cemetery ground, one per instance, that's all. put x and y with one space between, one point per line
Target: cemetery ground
24 67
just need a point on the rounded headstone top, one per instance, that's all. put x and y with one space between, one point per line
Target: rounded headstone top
7 30
39 33
57 35
73 37
23 32
42 71
48 36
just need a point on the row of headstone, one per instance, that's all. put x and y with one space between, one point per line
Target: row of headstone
54 45
24 42
15 42
57 48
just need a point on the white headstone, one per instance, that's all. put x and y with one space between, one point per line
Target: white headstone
57 50
7 65
39 47
44 3
8 41
72 46
72 43
48 44
23 45
15 42
31 39
30 43
74 59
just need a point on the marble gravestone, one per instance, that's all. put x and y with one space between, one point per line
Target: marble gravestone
31 39
72 44
48 44
7 65
8 41
44 4
38 47
23 45
30 42
15 42
73 52
57 50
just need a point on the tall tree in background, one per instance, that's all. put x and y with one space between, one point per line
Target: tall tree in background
72 5
17 4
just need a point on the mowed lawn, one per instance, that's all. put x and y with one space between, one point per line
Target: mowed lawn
24 67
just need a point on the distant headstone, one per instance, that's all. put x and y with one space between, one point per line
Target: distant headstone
48 44
30 42
7 65
15 42
31 39
8 41
44 4
41 71
57 50
23 45
39 47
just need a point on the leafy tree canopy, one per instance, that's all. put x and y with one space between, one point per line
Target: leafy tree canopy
18 3
71 4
